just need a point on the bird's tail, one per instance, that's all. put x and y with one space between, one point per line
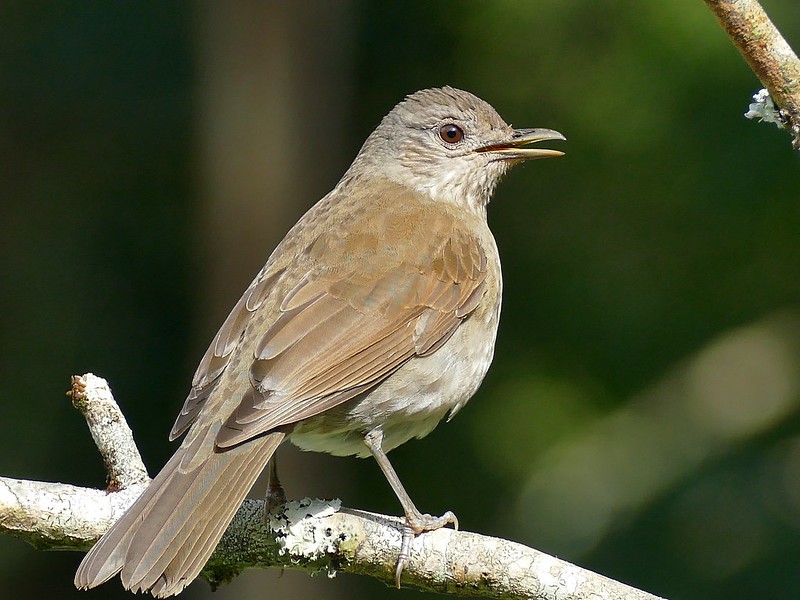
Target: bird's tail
165 538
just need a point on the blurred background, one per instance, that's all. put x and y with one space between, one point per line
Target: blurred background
642 416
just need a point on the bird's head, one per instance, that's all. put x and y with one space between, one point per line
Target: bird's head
449 144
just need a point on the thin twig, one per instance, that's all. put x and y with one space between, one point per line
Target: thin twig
92 396
768 54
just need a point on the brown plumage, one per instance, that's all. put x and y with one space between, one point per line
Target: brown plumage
374 318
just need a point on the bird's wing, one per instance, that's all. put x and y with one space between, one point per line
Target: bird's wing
218 355
413 278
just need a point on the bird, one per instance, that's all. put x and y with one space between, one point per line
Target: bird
371 321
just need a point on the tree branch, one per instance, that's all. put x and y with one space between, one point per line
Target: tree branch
768 54
311 535
110 432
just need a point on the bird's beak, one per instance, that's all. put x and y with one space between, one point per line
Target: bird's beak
511 148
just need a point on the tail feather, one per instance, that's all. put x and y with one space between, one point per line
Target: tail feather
197 522
107 557
163 541
164 530
162 536
196 555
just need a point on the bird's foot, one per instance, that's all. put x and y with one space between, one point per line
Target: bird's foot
416 524
275 496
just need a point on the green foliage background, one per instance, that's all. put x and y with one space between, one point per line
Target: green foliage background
671 224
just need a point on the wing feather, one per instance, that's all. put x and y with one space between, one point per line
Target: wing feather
218 355
336 332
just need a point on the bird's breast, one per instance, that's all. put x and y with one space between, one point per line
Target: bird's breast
411 401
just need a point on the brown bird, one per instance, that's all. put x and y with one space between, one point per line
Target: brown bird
374 318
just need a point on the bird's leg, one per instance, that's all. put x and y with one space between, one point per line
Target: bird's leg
416 522
275 496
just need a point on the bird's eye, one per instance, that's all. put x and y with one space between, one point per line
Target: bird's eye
451 133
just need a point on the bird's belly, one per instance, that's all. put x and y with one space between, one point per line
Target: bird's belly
411 401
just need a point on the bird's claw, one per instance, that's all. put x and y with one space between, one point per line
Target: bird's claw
415 525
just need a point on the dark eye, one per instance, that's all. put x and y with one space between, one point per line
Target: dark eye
451 133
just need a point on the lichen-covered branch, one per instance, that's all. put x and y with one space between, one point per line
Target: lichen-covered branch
311 535
320 536
92 396
768 54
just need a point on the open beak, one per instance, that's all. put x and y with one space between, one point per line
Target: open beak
512 148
